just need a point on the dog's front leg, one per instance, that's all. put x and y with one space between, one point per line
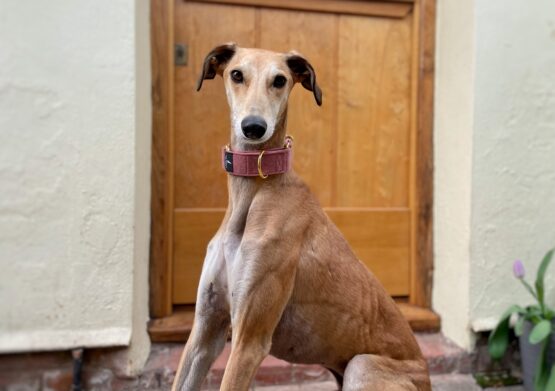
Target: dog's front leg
211 323
263 278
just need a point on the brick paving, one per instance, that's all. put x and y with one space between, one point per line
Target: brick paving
319 386
462 382
448 364
453 382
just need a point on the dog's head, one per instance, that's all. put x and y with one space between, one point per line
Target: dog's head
258 83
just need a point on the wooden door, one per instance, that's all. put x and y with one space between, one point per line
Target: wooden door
358 152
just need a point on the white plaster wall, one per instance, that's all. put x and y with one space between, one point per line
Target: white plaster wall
513 192
494 157
454 97
74 174
139 348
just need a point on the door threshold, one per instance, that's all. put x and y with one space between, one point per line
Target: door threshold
421 319
177 326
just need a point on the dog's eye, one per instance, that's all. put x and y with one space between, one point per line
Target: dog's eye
237 76
279 81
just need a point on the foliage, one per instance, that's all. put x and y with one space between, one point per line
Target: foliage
540 315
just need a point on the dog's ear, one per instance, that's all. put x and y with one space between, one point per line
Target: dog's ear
215 61
304 73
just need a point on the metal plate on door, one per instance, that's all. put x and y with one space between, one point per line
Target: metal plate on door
181 54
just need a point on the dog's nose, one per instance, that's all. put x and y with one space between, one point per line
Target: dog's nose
253 127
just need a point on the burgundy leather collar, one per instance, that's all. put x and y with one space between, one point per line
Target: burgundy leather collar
259 163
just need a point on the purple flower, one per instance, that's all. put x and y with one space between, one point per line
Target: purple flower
518 269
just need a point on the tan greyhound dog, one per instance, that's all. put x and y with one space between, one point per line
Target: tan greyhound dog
278 270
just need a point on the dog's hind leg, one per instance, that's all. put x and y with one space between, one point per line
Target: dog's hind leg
367 372
211 325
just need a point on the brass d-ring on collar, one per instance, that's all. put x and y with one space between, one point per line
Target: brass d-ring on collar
260 173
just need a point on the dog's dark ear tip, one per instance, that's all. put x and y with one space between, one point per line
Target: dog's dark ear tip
318 95
199 82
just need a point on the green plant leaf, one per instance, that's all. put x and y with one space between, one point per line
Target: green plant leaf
519 325
533 310
529 288
541 274
540 332
542 373
499 337
533 314
550 386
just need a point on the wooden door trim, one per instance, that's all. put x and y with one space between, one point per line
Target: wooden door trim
423 262
178 326
384 8
162 36
161 228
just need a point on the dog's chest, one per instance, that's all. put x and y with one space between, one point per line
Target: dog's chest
235 227
232 236
232 241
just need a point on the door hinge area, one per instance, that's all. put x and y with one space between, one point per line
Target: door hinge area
181 54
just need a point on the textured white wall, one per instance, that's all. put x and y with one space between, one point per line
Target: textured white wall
495 156
74 173
454 97
137 354
513 192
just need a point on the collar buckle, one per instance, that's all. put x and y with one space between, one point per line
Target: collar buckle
260 173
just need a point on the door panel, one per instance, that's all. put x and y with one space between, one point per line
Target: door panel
314 127
380 239
354 151
193 230
202 118
374 111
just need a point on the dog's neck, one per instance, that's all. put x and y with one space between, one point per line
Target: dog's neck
241 190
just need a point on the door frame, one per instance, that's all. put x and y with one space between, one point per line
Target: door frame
162 191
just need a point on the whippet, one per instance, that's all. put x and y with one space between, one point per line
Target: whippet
278 270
